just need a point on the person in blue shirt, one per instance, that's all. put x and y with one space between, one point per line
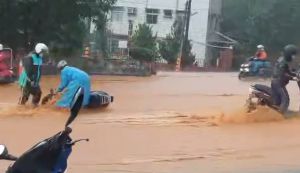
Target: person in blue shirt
73 81
29 80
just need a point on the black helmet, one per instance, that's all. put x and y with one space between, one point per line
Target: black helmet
289 51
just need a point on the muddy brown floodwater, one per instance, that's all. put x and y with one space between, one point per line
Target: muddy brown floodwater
169 123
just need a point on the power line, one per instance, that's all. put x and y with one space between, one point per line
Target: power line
132 2
210 45
161 7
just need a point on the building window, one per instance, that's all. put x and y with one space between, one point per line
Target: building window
152 15
114 45
152 19
132 11
180 13
168 14
117 14
130 27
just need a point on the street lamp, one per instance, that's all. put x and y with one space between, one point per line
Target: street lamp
11 55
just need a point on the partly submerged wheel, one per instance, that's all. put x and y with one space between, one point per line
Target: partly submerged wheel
241 75
250 105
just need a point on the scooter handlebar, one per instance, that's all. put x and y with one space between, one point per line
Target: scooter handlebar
79 140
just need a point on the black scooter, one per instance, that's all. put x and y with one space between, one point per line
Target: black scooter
98 99
49 155
261 95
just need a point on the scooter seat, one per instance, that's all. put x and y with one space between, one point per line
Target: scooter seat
263 88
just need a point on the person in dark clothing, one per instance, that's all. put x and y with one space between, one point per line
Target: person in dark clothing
281 77
30 77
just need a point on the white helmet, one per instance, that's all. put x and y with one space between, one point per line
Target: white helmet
260 47
61 64
40 47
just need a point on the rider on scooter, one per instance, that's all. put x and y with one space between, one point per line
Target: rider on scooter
281 77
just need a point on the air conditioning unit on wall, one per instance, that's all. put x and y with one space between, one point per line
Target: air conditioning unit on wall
132 11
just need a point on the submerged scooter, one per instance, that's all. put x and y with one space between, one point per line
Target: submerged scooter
98 99
49 155
261 95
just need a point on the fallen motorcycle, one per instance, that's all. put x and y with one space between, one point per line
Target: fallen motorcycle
98 99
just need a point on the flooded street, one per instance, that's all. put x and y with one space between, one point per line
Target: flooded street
169 123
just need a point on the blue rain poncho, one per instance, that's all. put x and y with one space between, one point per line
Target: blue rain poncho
71 80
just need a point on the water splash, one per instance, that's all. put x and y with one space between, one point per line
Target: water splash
262 114
29 111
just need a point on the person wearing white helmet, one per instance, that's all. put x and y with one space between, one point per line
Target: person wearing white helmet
73 81
261 54
29 79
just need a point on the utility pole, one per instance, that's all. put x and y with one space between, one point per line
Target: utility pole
188 21
182 40
176 12
187 27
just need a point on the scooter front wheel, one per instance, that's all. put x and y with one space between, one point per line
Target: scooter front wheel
241 75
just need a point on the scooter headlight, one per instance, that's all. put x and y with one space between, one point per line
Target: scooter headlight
251 90
247 69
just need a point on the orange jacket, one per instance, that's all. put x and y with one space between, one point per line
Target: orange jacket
261 55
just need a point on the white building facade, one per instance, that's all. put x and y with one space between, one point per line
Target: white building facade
160 14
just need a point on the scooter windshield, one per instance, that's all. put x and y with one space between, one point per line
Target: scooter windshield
42 157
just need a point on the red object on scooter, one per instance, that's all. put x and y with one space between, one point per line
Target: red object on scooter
6 73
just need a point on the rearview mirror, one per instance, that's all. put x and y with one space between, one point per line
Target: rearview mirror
3 151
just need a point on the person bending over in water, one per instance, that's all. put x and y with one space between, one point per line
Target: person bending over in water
74 82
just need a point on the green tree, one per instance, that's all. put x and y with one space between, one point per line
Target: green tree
188 58
273 23
96 11
169 48
143 44
62 24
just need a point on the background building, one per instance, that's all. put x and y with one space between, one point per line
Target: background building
160 14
